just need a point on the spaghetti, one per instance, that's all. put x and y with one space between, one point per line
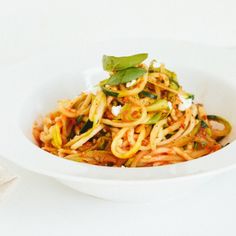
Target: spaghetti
139 117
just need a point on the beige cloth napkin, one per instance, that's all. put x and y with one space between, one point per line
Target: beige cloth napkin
7 181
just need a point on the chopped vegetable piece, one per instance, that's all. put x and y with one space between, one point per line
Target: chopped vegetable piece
195 146
148 94
88 125
72 134
204 124
56 136
109 92
174 84
216 133
79 119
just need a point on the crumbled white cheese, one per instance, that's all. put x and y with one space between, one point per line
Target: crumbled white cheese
170 105
115 110
186 103
131 83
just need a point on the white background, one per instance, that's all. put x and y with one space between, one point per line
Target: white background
41 206
28 26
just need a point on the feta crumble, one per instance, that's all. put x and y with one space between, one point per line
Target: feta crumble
115 110
170 105
186 103
131 83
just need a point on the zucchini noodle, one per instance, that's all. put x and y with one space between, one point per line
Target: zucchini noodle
124 154
138 118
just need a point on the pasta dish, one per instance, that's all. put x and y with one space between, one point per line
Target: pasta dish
140 116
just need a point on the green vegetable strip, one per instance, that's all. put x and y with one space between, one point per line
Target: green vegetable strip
148 94
79 119
88 125
159 105
108 92
220 133
154 119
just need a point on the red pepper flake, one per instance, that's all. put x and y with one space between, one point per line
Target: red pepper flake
145 142
135 114
73 122
126 99
165 153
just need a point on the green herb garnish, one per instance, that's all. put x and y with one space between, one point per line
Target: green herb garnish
125 76
111 63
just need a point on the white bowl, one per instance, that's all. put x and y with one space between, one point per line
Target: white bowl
38 85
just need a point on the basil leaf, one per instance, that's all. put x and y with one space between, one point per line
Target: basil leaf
111 63
127 75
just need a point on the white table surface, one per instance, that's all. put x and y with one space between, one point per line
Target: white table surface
38 205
